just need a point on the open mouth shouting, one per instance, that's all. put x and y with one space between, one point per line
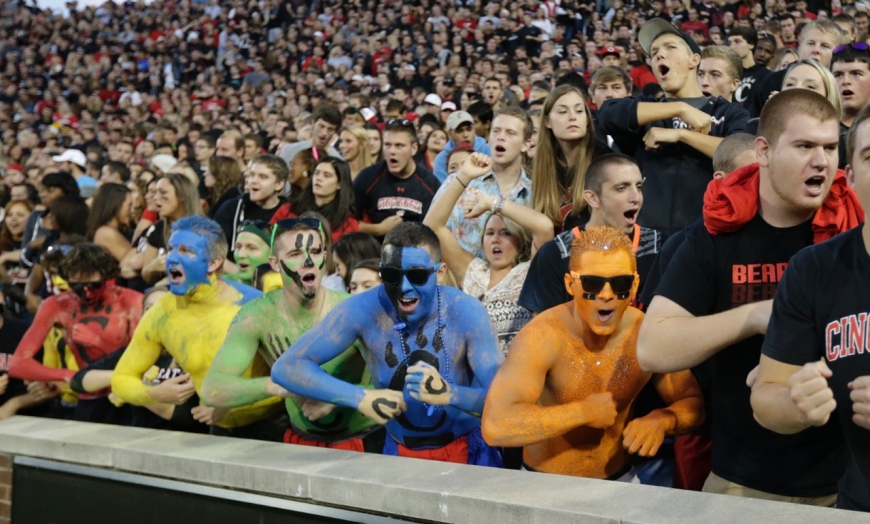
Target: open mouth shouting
631 216
176 275
663 71
604 315
497 252
814 185
499 150
393 164
847 94
407 305
243 266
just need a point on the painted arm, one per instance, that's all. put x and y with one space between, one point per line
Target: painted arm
224 385
672 339
788 399
645 435
512 416
142 353
457 259
24 364
34 282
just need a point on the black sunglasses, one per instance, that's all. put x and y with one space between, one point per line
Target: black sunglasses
620 285
78 287
398 122
857 46
416 276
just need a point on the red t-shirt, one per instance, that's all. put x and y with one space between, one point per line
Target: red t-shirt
351 225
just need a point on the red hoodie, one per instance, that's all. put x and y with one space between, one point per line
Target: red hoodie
731 202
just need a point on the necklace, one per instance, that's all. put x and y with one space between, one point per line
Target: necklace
437 345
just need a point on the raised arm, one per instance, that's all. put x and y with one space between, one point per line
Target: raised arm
527 218
24 364
456 258
224 385
512 416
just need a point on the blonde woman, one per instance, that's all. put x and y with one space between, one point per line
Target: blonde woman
353 144
564 150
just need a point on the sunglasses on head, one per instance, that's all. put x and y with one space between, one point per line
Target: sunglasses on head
416 275
398 122
620 285
293 223
857 46
259 224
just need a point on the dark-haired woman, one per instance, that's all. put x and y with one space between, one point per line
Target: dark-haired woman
109 221
330 193
98 318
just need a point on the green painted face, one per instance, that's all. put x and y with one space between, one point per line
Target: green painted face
251 252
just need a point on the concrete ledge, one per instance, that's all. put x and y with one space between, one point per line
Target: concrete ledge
391 486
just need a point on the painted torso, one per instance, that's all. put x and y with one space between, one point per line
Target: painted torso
575 375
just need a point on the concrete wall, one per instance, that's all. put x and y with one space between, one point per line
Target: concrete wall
392 486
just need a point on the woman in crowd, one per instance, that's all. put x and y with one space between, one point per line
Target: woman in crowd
224 180
352 249
176 197
330 194
782 58
301 168
376 142
365 276
565 148
110 219
11 242
435 143
497 279
457 156
806 73
353 146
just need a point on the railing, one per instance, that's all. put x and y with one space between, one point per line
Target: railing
339 486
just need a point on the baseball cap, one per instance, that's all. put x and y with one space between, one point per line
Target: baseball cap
457 118
610 50
72 155
368 114
448 106
14 167
433 99
657 27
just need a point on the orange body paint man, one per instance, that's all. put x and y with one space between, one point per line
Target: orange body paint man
566 391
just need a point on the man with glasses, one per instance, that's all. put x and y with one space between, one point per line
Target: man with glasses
98 319
190 323
396 189
271 324
850 64
431 350
566 391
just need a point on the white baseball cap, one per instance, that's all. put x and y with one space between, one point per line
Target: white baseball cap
72 155
433 99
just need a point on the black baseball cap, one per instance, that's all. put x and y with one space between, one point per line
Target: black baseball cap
657 27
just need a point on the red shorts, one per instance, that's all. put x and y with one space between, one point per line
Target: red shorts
456 451
354 444
692 461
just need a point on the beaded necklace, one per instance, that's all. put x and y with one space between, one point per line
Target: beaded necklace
437 345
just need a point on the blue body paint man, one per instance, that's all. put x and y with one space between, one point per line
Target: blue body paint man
431 350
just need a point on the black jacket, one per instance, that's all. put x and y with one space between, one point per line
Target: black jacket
676 174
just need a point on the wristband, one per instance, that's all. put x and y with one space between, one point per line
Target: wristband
497 205
461 182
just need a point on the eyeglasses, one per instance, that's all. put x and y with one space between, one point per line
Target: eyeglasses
620 285
293 223
78 287
857 46
416 275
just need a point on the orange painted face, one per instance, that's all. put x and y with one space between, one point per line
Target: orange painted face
601 304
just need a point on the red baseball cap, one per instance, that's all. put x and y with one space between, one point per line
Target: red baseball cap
610 50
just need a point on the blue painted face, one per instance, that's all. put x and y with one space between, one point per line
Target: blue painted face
187 262
413 300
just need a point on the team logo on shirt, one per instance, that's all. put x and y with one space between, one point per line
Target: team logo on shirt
847 336
755 282
406 204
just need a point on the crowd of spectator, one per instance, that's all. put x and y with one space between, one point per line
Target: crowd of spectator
506 127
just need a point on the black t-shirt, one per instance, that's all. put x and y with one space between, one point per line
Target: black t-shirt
10 335
544 287
379 194
821 311
155 235
752 78
711 274
841 150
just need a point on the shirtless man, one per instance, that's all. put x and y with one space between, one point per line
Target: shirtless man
431 351
191 323
567 388
270 324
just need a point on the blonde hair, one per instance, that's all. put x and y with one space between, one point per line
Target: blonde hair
362 140
601 239
547 188
832 92
524 239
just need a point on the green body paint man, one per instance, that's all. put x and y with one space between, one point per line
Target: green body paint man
270 325
251 251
